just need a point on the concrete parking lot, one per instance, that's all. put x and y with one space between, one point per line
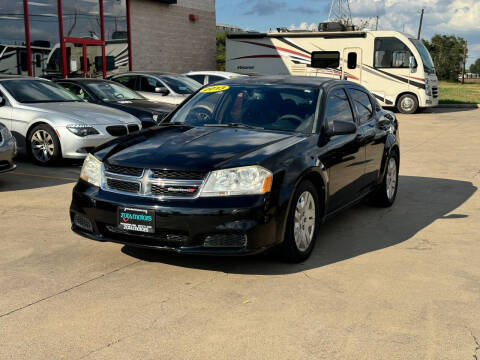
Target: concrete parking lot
398 283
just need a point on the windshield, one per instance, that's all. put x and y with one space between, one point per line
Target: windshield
428 65
38 91
181 84
272 107
113 92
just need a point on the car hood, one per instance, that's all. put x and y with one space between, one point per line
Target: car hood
84 112
180 147
143 105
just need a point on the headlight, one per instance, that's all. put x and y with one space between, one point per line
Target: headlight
248 180
82 130
91 170
155 117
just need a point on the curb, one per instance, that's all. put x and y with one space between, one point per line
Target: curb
471 106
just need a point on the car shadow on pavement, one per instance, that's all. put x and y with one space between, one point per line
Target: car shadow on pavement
359 230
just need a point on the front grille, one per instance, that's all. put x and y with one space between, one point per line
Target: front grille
133 128
178 174
117 130
123 170
435 92
225 240
124 186
159 238
174 190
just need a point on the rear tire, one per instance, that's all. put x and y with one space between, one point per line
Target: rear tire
44 146
386 193
302 224
407 104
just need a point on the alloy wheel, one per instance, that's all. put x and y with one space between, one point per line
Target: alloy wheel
391 181
42 145
304 221
407 104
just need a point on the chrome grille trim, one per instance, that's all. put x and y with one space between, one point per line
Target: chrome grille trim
145 182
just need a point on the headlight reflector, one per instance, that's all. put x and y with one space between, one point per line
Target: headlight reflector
246 180
91 170
82 130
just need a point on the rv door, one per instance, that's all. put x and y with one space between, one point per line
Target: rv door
352 64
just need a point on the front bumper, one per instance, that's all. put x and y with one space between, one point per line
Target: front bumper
181 225
8 151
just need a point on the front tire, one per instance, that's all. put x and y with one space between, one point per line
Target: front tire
386 194
44 145
302 225
407 104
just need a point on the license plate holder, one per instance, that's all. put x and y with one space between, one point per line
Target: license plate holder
136 220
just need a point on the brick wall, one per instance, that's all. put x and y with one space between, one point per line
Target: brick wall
164 39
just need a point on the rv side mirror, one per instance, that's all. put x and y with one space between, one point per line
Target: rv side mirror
342 128
162 90
412 63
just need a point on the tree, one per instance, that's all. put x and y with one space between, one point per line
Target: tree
475 67
221 50
447 54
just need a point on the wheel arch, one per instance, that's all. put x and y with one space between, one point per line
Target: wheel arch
32 126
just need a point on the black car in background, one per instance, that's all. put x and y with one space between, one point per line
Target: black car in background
242 166
115 95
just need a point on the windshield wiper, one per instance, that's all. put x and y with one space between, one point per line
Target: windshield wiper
236 125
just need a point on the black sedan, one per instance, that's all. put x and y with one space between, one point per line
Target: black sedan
115 95
8 148
242 166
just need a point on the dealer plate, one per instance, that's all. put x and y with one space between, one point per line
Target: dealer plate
138 220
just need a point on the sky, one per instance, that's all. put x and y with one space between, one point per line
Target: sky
457 17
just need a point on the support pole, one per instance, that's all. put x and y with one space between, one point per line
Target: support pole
27 37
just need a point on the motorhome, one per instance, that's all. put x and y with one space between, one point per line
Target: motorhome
396 67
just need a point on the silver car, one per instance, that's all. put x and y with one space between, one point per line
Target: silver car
8 149
49 122
157 86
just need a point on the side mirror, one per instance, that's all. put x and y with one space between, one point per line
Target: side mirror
162 90
412 64
342 128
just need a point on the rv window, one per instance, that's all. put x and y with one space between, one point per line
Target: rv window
325 59
390 52
352 60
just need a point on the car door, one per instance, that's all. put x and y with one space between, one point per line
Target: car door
148 86
369 135
345 157
129 81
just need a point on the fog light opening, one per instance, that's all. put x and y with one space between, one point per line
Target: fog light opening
82 222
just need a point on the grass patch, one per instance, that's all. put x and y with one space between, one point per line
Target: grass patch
456 93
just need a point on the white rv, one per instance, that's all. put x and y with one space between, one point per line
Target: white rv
396 68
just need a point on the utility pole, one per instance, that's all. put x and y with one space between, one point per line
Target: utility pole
376 23
420 25
464 60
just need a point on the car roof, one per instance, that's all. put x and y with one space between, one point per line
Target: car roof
286 80
84 80
219 73
153 73
19 77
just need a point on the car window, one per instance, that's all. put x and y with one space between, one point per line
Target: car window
148 84
273 107
198 78
38 91
181 84
128 81
76 90
362 104
338 107
109 91
213 79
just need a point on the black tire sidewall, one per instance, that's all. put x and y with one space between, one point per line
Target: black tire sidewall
414 99
388 201
290 251
56 151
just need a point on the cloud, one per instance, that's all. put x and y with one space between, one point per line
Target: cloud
303 26
265 7
304 10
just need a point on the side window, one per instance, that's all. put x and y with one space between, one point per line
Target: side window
128 81
325 59
338 107
213 79
148 84
390 52
363 105
76 90
352 60
198 78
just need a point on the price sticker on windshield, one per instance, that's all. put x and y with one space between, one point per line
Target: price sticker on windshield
215 88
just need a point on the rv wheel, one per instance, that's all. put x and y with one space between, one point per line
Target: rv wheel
407 104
